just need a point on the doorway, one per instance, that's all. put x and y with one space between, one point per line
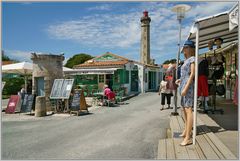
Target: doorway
40 86
109 80
134 81
152 80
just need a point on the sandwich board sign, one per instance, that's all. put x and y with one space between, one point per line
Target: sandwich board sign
28 103
13 104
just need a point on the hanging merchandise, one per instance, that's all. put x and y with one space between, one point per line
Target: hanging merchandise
220 89
218 73
202 77
220 59
235 98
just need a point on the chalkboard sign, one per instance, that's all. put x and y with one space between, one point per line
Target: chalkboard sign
27 103
13 103
75 104
61 89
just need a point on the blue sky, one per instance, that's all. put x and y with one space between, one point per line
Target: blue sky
96 27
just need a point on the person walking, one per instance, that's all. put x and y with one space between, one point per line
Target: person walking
22 92
186 89
165 92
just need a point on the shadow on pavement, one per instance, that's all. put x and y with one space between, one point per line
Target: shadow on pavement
229 120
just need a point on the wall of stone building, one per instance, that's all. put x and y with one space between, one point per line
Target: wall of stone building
49 67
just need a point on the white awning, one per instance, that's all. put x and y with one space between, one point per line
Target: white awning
204 30
213 27
92 71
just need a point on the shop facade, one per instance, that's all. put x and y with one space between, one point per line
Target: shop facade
117 72
229 52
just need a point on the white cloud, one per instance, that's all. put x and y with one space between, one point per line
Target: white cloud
19 55
100 30
123 30
105 7
208 9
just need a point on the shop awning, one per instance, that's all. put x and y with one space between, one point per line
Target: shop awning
92 71
220 25
206 29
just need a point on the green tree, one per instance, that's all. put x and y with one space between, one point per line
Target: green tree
166 62
5 57
170 61
173 61
77 59
12 86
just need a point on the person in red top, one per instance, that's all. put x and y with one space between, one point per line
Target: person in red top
108 93
107 90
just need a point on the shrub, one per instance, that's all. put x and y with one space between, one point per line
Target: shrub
12 86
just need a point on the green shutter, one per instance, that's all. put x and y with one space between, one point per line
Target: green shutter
127 77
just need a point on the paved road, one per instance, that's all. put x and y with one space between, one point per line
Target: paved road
131 131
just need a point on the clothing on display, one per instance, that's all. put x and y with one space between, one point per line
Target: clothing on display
203 68
218 72
203 79
202 85
235 98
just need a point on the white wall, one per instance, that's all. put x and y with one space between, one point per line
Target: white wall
141 87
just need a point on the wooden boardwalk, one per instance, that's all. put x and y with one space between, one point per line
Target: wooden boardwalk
207 146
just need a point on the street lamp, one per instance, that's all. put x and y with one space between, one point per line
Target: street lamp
180 10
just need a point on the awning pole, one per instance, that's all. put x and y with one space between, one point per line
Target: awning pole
25 82
195 86
238 65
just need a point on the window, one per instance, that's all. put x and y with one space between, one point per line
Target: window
101 79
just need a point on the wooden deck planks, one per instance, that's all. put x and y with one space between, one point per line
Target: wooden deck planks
191 149
181 122
180 151
162 149
211 143
192 152
217 142
206 148
175 126
200 152
170 149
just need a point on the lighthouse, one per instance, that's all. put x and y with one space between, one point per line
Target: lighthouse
145 38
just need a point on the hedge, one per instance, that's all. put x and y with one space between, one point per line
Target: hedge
12 86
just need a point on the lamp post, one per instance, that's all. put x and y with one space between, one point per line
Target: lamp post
180 10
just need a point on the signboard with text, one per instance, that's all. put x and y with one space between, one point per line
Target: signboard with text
61 88
28 103
13 104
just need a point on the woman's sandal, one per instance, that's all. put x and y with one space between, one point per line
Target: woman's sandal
183 135
186 143
161 109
